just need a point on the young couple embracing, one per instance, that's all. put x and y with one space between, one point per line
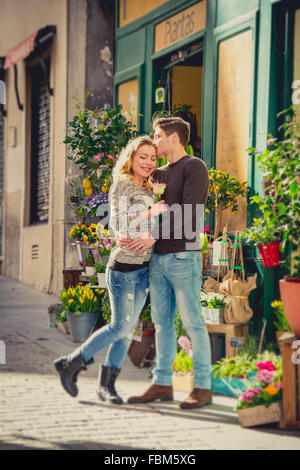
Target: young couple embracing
176 266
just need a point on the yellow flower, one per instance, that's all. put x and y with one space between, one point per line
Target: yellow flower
70 301
89 192
94 299
86 183
64 295
271 390
86 239
102 291
81 300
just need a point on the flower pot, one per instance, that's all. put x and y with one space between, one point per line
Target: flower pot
290 295
216 316
206 314
258 415
90 270
51 320
183 383
82 325
101 280
270 254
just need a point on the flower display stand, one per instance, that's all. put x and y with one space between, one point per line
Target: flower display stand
230 331
258 415
291 381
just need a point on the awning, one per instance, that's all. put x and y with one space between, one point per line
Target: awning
30 47
21 51
34 43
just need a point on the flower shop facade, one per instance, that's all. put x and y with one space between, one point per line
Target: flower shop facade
228 67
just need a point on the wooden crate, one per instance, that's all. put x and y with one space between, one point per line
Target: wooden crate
71 276
291 382
230 331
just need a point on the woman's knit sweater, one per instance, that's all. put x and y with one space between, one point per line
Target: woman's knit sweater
126 201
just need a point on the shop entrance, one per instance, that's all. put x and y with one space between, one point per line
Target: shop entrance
178 89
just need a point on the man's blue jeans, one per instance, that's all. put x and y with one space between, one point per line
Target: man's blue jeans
127 294
176 279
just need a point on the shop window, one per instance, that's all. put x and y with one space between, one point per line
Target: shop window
130 10
180 74
40 143
233 112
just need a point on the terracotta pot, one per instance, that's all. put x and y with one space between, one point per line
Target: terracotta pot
290 295
270 254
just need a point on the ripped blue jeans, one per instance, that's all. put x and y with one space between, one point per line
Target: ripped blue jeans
127 294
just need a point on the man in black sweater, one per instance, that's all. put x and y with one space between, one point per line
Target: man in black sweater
177 265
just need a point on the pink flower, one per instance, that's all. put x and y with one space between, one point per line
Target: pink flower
265 376
268 365
184 342
98 156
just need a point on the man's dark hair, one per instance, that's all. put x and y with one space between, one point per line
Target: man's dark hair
175 124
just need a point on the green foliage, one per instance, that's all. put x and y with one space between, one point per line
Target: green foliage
224 191
180 331
100 267
103 131
282 323
243 364
183 362
89 260
261 232
105 307
281 205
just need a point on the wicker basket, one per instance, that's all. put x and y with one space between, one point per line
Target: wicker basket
210 270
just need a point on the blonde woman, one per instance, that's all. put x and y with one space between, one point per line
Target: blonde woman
127 273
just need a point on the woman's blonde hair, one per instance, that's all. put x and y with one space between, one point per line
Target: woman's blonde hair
123 165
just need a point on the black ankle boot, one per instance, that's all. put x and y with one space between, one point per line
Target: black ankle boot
69 368
106 390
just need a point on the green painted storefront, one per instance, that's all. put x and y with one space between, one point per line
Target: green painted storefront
141 63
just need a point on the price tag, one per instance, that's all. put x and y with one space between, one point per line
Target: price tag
160 95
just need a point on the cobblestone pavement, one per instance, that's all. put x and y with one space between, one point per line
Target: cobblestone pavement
35 412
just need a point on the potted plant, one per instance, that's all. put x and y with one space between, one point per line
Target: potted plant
82 305
52 311
100 268
89 265
288 149
261 404
267 238
61 320
281 165
281 323
216 303
223 193
232 376
183 372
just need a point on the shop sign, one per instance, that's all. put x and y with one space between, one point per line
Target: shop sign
180 26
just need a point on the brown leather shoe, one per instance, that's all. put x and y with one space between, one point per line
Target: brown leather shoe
154 392
197 398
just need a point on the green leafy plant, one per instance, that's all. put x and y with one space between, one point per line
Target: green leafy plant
100 267
223 193
244 364
93 281
89 260
183 363
281 206
180 330
261 233
95 138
